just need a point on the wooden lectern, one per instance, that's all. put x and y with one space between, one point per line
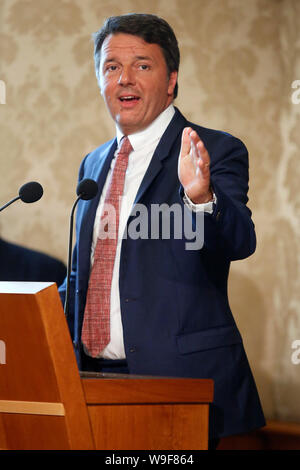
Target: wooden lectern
45 403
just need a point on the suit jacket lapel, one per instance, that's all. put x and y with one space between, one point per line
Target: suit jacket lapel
162 151
97 170
101 165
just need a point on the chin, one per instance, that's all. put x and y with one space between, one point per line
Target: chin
128 127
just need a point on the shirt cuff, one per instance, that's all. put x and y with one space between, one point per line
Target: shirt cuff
205 207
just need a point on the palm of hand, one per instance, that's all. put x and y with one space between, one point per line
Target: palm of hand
193 167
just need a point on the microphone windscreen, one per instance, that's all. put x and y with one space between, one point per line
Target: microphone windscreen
31 192
87 189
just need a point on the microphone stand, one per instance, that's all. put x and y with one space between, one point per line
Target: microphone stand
69 266
86 190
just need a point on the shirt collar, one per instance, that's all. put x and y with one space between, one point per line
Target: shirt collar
152 133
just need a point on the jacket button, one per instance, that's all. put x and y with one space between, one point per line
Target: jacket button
218 216
132 350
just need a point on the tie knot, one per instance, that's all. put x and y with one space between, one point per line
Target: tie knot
125 147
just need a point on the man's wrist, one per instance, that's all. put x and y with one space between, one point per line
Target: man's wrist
209 197
204 206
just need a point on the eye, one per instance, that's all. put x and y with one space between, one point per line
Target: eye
111 68
144 67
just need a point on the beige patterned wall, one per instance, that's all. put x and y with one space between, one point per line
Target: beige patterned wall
239 59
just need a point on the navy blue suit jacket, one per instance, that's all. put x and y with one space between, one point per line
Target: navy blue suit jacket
18 263
175 312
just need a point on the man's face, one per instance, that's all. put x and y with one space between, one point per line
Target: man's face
134 81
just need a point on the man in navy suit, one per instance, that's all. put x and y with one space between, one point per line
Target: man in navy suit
169 310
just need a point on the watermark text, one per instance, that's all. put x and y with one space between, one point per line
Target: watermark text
157 222
2 352
296 94
295 357
2 92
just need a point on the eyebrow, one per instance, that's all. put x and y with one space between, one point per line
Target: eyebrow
139 57
143 57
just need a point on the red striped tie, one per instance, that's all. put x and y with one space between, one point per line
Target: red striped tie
96 322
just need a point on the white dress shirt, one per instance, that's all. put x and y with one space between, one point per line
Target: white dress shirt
144 144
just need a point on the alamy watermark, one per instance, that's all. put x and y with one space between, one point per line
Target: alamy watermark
2 352
2 92
296 94
157 222
295 357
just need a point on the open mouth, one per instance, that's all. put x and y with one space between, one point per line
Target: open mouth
129 98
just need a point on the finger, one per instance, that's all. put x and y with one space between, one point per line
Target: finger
185 142
193 153
204 168
195 139
203 153
199 147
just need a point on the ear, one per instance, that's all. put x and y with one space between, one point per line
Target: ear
172 82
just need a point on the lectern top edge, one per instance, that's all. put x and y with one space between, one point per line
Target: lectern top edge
23 287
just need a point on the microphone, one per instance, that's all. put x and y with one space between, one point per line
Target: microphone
87 189
29 192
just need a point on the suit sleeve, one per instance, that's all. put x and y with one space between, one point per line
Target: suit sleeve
229 230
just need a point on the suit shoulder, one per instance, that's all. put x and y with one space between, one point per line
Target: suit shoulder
217 137
95 157
101 151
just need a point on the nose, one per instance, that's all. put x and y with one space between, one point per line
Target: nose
126 76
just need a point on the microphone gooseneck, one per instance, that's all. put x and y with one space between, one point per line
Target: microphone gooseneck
87 189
